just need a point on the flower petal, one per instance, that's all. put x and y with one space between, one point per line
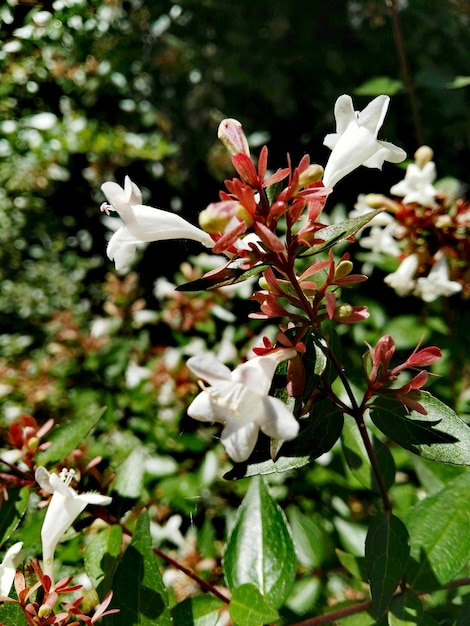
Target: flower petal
279 422
208 368
239 439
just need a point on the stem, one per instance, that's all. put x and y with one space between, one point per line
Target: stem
409 86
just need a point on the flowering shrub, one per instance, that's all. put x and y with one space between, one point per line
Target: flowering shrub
282 394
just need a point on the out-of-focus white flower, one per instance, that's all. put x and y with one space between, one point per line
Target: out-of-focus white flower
239 400
362 208
168 532
12 558
381 240
402 280
355 142
437 283
142 223
135 374
417 185
65 505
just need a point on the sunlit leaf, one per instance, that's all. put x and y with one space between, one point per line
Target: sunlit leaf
379 85
201 610
260 548
249 608
439 436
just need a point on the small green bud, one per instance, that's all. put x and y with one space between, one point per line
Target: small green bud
45 611
423 155
313 174
344 268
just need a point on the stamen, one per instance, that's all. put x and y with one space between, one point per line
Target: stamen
67 476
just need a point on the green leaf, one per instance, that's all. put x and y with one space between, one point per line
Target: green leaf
13 510
138 588
458 82
338 232
405 610
358 460
439 436
387 552
130 474
356 565
12 615
379 85
260 549
201 610
68 436
223 277
309 538
439 528
249 608
101 558
318 434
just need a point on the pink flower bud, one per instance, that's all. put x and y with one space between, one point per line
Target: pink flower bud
232 136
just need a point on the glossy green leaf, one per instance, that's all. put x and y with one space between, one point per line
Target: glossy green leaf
11 615
222 278
68 436
260 549
439 528
319 431
12 510
130 474
387 552
101 557
338 232
249 608
358 461
138 588
201 610
439 436
309 538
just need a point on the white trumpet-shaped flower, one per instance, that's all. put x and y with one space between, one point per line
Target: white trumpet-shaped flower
437 283
417 186
142 223
65 505
402 280
239 400
355 142
8 567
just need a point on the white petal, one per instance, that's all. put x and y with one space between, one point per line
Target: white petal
208 368
372 117
201 408
239 440
279 422
8 567
344 113
133 193
258 372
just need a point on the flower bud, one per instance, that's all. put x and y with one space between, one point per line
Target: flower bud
423 155
344 268
44 611
232 136
312 174
217 215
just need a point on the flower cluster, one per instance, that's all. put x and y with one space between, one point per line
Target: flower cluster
266 225
426 228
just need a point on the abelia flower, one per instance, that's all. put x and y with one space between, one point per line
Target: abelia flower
355 142
142 223
437 283
402 280
65 505
239 400
417 185
8 567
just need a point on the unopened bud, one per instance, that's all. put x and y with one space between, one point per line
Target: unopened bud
217 215
263 283
44 611
423 155
312 174
443 221
344 268
232 136
33 443
343 312
378 201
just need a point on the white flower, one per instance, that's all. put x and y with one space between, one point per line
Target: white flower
355 141
239 400
380 240
437 283
402 280
8 567
142 223
65 505
362 208
417 185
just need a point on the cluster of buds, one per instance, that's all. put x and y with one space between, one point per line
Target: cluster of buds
426 228
382 375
